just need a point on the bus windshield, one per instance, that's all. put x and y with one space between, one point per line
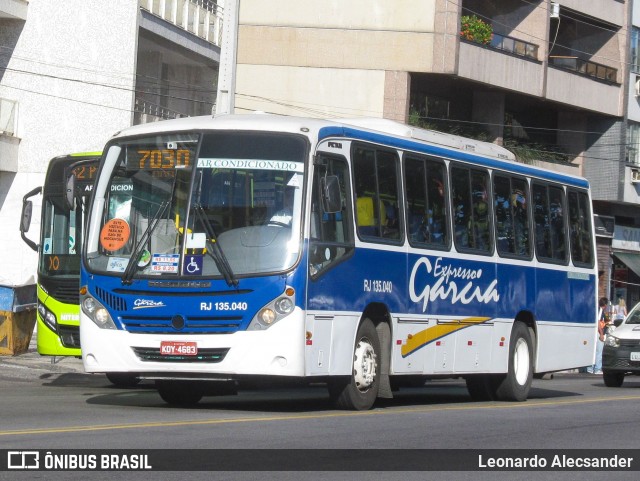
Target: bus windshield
219 204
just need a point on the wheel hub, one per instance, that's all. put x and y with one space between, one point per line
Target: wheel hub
364 365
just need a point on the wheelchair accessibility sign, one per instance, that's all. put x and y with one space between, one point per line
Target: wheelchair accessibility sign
192 265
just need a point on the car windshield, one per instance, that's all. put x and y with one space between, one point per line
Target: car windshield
634 316
221 204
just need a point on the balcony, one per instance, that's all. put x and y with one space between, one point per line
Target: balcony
146 112
514 46
584 67
14 9
202 18
8 141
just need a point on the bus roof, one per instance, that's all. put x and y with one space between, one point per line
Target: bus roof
377 130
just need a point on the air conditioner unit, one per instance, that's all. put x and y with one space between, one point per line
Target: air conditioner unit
637 86
635 176
555 10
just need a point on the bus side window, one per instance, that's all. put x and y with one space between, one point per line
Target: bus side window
331 236
426 202
548 215
472 216
510 198
376 187
580 229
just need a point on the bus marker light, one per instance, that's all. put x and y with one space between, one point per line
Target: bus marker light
399 342
309 342
469 343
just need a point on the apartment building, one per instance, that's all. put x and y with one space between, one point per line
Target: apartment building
73 73
545 79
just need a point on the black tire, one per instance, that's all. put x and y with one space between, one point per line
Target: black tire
360 390
613 378
122 380
181 394
516 384
482 387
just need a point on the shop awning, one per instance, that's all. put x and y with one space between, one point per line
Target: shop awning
631 260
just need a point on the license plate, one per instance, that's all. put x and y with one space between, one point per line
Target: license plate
178 348
635 356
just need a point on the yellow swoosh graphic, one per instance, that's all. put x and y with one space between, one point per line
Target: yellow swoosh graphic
424 337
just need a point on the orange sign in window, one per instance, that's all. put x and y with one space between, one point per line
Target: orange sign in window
114 234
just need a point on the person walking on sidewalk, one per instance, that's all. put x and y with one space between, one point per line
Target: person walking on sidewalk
603 320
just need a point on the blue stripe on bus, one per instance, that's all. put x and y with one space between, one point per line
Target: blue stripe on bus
431 149
447 286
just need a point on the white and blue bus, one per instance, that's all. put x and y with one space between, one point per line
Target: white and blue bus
358 253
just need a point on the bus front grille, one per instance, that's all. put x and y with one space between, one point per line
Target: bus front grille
69 335
209 355
180 325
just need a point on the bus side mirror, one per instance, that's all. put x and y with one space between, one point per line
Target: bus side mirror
70 189
25 219
331 196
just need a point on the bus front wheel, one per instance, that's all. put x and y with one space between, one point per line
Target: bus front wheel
361 390
516 384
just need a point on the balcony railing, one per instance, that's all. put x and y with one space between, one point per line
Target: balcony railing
584 67
146 112
8 116
200 17
514 46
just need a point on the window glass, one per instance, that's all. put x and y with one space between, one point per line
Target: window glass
548 209
331 236
426 205
472 217
511 200
376 187
580 228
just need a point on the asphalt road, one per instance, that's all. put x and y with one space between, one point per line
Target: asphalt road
53 406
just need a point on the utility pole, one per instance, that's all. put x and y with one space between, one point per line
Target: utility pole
225 98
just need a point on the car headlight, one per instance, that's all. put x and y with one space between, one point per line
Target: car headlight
97 313
274 311
612 341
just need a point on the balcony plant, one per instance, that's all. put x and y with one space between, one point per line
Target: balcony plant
475 29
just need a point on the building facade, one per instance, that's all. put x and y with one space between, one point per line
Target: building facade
74 73
548 80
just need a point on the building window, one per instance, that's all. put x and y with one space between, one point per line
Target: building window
635 50
633 142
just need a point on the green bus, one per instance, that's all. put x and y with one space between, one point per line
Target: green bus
67 186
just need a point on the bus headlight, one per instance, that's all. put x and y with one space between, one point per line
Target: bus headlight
48 317
97 313
274 311
612 341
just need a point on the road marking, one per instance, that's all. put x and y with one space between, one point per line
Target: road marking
375 412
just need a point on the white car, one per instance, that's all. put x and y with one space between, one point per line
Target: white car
621 354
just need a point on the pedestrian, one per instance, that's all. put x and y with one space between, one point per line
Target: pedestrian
619 312
603 320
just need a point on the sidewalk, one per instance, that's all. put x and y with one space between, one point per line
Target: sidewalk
30 364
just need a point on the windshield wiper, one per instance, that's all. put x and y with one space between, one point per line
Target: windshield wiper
131 268
215 251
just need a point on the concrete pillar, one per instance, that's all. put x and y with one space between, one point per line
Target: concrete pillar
397 86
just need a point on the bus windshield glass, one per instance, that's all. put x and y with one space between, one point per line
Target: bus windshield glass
218 204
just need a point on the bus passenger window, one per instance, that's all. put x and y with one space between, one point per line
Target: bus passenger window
426 202
548 216
510 197
580 229
472 217
376 188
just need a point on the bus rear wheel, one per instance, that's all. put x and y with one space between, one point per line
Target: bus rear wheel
516 384
179 393
361 390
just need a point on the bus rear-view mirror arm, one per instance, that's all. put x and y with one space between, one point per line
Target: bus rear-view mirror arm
25 219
